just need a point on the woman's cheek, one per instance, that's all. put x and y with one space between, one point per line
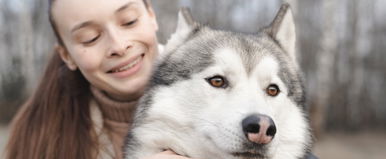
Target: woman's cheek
89 60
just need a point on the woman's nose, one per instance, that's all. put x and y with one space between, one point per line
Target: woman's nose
119 45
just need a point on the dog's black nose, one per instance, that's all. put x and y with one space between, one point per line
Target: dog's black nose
259 128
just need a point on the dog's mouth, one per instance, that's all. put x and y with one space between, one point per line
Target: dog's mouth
252 152
254 155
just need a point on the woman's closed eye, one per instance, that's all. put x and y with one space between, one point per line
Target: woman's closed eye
130 23
91 40
87 36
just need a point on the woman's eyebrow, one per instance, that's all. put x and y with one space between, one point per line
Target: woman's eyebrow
87 23
81 25
127 5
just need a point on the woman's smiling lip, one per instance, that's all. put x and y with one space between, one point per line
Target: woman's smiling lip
128 68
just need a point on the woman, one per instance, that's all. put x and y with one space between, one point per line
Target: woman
83 106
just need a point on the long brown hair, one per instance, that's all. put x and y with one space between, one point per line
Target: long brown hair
55 123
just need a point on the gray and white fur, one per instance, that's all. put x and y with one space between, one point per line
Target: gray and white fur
183 111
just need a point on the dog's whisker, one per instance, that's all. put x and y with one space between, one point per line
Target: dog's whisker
223 128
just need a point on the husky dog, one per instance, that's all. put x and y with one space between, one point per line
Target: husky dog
224 95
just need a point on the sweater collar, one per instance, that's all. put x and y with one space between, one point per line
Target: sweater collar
114 110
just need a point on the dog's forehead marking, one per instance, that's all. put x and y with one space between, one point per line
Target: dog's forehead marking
230 63
236 60
268 71
267 67
227 56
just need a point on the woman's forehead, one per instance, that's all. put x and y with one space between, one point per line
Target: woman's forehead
67 13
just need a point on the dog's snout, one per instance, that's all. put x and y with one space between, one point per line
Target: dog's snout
259 128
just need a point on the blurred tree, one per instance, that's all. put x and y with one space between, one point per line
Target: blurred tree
25 41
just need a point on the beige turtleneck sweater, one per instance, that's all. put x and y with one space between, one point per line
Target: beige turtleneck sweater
116 119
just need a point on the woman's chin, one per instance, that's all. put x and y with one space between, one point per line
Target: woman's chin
131 92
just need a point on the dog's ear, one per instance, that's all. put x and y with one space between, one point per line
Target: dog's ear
185 20
186 27
282 29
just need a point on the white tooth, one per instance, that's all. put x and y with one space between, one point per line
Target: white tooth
128 66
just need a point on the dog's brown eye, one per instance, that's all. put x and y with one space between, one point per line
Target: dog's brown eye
217 81
273 90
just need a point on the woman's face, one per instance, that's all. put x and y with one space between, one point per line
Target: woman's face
113 43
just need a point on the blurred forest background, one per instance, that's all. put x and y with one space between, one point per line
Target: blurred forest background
341 49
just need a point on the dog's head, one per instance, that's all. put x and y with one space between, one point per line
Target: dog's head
242 93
